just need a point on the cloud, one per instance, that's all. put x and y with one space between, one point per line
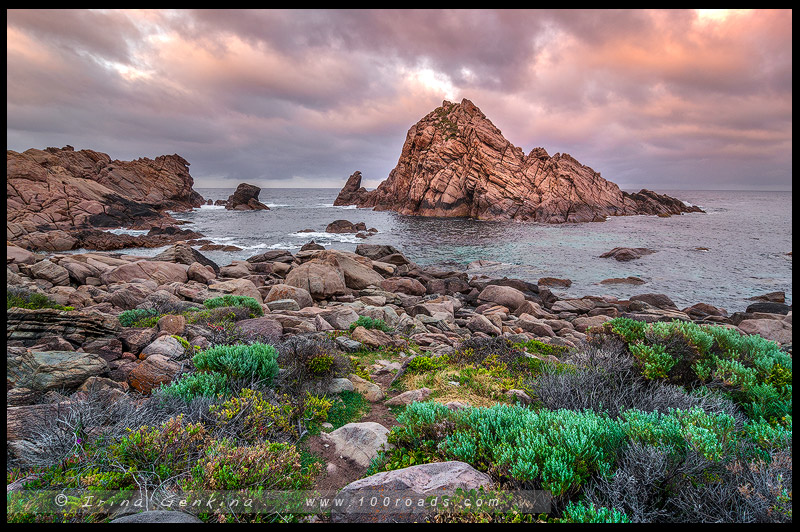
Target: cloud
663 99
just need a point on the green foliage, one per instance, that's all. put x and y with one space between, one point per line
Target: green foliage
582 512
424 364
559 450
370 323
751 370
193 385
263 465
320 364
348 407
251 417
22 298
165 450
255 360
229 300
138 317
541 348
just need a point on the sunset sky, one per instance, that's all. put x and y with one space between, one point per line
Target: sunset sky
695 99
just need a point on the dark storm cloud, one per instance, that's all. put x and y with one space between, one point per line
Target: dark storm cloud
297 98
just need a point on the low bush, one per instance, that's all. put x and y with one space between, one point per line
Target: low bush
662 462
229 300
23 298
605 380
262 465
193 385
370 323
245 361
138 317
752 371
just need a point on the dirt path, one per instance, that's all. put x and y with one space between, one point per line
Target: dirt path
341 471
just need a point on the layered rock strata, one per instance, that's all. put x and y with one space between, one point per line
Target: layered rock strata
54 193
456 163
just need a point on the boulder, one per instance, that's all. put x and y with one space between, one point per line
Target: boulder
262 327
159 271
238 287
53 273
439 479
319 278
371 391
51 370
185 254
661 301
502 295
154 371
769 307
358 442
625 254
406 398
404 285
245 198
776 330
480 323
166 346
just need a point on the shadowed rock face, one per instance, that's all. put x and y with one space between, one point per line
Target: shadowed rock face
456 163
67 190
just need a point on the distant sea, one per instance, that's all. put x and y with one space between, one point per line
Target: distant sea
747 236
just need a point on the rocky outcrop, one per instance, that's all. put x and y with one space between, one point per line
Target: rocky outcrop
352 192
456 163
245 198
63 190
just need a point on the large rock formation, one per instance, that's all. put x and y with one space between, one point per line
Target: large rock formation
456 163
61 191
245 198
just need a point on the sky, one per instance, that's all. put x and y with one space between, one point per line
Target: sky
667 100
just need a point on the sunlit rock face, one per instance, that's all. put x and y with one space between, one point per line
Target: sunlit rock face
456 163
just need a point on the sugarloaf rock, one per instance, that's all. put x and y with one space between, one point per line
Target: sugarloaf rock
456 163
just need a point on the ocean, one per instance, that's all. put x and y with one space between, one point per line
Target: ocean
746 238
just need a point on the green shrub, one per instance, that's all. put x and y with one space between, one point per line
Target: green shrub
583 512
138 317
229 300
252 417
559 450
27 299
263 465
541 348
193 385
751 370
347 408
424 364
320 364
255 360
370 323
166 450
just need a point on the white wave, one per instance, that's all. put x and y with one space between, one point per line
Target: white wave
687 204
350 238
273 205
133 232
211 207
283 245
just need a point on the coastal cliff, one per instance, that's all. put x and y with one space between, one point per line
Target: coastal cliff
53 194
456 163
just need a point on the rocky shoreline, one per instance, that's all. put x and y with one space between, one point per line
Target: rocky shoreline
309 292
62 357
